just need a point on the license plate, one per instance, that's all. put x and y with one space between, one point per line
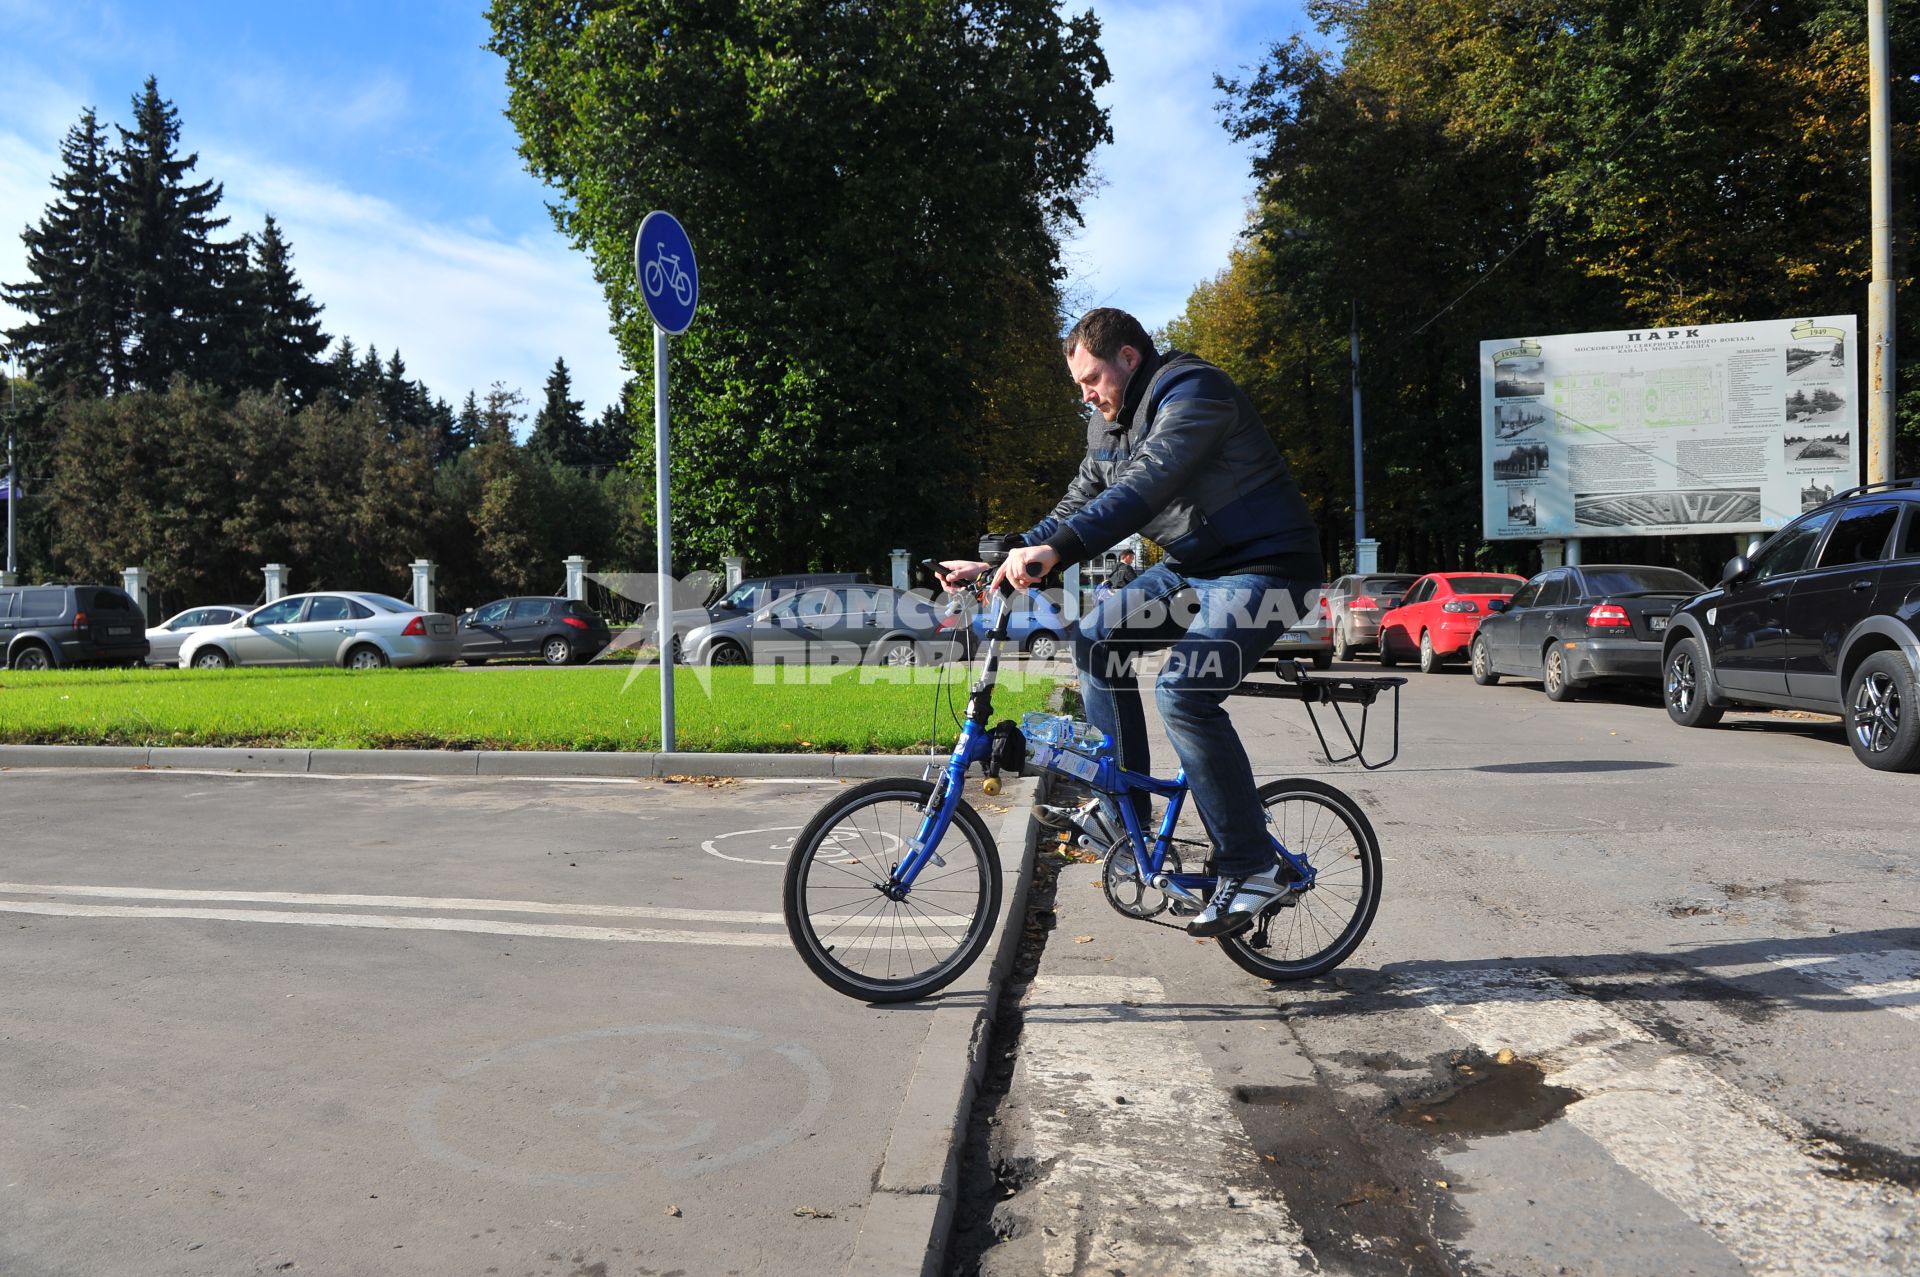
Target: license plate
1656 622
119 631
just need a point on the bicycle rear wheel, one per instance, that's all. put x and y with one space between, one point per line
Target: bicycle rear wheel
1319 928
857 939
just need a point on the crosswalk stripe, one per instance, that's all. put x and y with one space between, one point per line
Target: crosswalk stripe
1144 1179
1890 977
400 922
456 904
1745 1172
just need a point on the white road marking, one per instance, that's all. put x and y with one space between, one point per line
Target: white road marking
1747 1173
455 903
400 922
1890 977
1166 1182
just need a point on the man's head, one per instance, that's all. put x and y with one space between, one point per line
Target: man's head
1126 557
1103 351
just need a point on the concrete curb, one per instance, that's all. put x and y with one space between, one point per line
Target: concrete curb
445 762
910 1213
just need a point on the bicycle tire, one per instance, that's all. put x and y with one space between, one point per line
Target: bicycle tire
868 928
1329 829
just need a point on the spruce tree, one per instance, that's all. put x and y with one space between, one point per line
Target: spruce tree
610 437
283 341
559 431
181 281
72 341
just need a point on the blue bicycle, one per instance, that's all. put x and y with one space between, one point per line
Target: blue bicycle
894 887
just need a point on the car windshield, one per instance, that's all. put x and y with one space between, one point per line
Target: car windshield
1639 581
1484 584
741 597
387 603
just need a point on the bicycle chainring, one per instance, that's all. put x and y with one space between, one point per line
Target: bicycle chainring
1120 881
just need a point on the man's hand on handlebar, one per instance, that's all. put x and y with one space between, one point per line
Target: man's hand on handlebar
1027 566
954 573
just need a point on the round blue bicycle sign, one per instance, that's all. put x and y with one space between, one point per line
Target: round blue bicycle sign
669 277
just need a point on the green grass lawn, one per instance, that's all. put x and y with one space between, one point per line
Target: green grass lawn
856 710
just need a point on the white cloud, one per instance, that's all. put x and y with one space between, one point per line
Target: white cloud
1175 187
463 308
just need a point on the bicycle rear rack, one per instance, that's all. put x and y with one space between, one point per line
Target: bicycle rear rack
1296 684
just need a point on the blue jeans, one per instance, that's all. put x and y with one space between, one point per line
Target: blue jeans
1218 629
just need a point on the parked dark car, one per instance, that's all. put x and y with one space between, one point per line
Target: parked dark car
836 624
54 626
1572 626
1824 617
558 631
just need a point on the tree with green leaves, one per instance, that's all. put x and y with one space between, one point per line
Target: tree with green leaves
72 341
180 280
859 181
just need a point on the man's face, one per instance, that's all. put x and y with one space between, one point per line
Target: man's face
1103 382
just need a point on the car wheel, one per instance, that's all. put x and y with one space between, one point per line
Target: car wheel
211 658
1683 685
1481 658
1388 657
1883 716
557 651
1429 659
727 654
31 656
1323 660
1044 645
898 652
1553 675
1342 645
366 657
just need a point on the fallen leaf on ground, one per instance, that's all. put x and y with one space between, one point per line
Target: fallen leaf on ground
808 1212
673 1211
1083 939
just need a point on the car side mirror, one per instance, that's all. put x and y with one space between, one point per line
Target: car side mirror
1738 569
1498 605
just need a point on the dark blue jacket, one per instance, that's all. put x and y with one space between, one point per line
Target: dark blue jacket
1190 465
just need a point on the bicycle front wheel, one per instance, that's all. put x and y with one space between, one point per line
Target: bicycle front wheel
856 937
1318 929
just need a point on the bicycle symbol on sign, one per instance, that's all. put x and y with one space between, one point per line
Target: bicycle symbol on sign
664 271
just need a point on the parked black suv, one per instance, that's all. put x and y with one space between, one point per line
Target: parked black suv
45 627
1824 617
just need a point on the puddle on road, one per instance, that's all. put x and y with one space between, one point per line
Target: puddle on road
1487 1097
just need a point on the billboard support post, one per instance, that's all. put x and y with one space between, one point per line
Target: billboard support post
1880 366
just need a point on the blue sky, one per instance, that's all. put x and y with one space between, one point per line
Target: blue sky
373 133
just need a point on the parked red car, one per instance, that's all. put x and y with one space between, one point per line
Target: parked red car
1435 622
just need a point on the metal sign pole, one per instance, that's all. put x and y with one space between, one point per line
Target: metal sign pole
664 539
1880 366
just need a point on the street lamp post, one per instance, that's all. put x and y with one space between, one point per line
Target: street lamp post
1880 369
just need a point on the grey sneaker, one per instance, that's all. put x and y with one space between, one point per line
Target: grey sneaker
1237 902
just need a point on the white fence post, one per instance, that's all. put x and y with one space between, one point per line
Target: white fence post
276 574
576 578
900 581
736 569
423 575
135 580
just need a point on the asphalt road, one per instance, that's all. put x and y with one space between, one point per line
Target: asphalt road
1700 948
261 1024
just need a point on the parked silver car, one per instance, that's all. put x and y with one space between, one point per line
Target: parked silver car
165 640
1355 604
357 630
837 624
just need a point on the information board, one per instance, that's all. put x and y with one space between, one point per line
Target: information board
1698 428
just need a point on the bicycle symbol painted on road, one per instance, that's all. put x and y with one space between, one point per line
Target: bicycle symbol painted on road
664 272
783 847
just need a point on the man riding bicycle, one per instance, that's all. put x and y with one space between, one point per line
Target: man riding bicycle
1179 454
